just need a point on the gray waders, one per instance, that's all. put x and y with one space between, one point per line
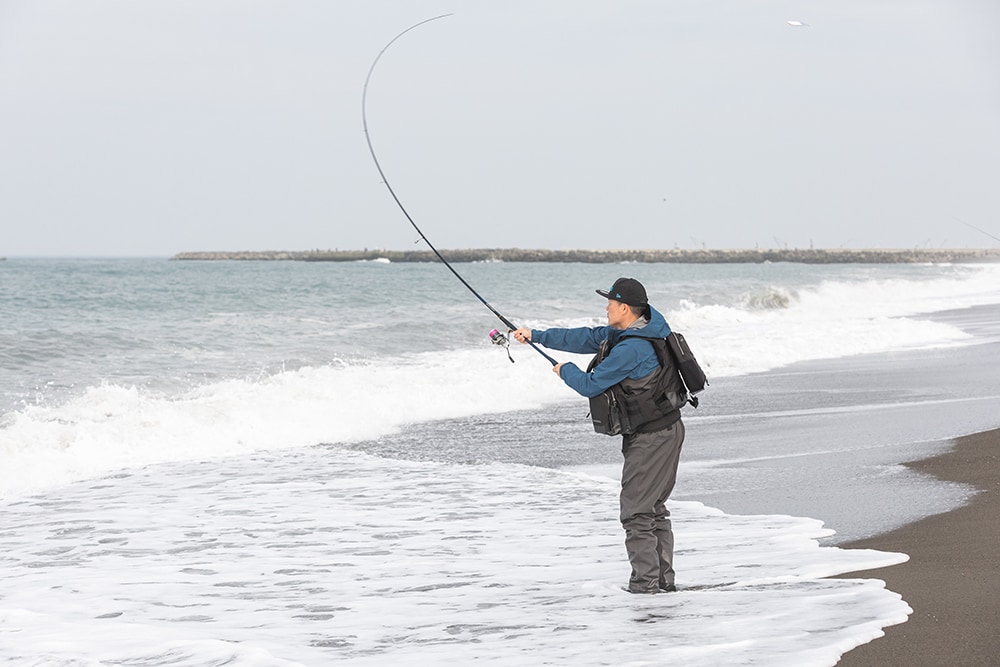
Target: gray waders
648 477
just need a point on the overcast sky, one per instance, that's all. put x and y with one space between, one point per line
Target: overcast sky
150 127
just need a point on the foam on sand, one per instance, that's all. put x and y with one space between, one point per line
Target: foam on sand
325 555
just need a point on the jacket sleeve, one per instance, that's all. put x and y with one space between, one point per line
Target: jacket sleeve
580 340
623 359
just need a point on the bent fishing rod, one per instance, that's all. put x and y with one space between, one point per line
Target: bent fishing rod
495 335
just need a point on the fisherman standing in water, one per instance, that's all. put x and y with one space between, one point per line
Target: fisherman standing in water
627 363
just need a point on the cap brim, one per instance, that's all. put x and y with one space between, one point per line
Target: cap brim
606 294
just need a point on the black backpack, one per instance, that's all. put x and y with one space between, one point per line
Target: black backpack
687 366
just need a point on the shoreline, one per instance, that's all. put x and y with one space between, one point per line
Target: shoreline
675 255
952 580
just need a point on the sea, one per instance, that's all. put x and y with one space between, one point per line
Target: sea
318 463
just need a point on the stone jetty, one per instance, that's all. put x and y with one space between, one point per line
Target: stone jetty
676 256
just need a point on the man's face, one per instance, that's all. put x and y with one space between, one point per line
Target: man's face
618 313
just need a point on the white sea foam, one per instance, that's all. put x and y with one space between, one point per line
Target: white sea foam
732 341
111 427
834 319
329 556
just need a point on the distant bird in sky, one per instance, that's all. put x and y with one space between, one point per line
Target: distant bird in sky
798 24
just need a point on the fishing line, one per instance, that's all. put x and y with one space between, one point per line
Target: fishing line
969 224
499 339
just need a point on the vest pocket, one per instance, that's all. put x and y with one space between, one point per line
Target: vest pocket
606 414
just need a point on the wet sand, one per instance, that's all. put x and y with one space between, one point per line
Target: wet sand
952 580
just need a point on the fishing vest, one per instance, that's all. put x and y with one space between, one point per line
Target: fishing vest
643 405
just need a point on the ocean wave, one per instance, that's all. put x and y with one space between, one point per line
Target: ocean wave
205 404
768 298
109 427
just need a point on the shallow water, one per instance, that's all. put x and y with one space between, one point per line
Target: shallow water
324 555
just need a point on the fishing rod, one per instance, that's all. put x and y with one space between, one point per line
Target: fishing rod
497 337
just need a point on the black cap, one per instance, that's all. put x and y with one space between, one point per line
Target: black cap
626 290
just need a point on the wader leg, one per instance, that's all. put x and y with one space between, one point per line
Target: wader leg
648 477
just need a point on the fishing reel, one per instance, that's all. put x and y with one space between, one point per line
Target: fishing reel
500 339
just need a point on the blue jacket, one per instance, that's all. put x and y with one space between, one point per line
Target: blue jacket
631 356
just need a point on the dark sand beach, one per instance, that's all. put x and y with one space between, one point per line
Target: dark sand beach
952 580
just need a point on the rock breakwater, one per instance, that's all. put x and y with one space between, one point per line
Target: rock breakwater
677 256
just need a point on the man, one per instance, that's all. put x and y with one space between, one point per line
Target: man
626 362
